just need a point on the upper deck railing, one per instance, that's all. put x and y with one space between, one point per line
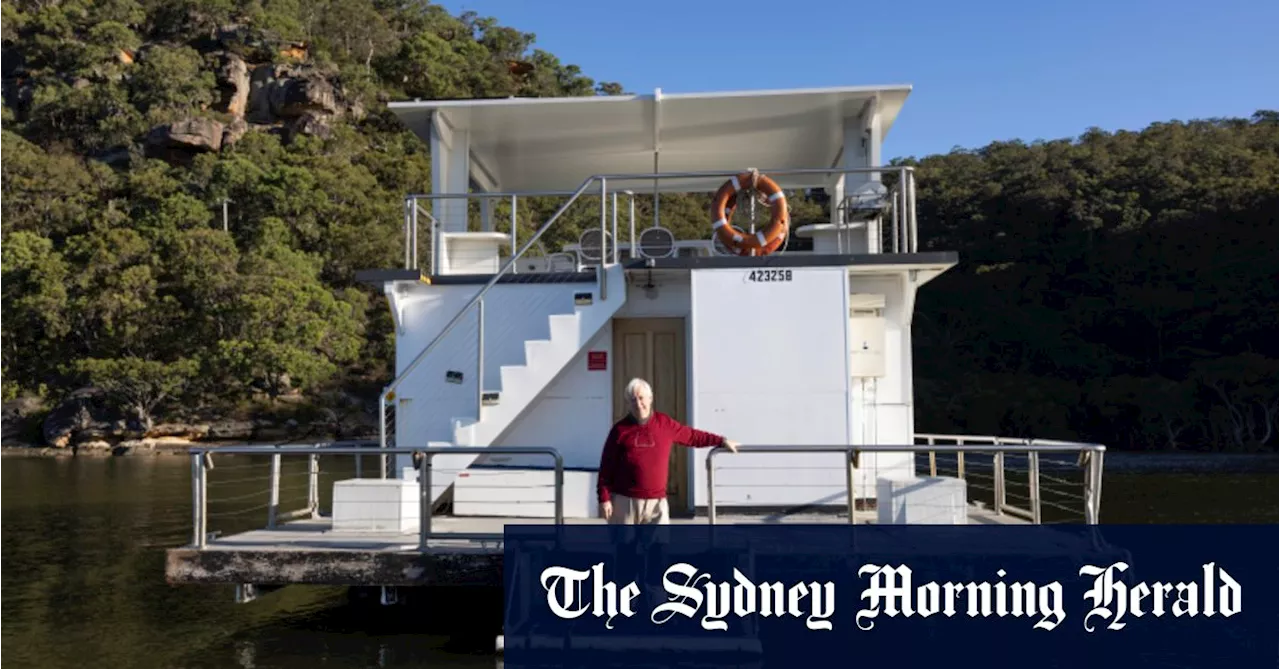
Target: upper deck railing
899 201
868 202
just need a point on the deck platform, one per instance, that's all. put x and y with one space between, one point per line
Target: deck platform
310 552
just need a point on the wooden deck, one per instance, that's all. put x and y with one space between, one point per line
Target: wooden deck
310 552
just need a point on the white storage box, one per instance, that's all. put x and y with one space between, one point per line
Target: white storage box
373 505
922 501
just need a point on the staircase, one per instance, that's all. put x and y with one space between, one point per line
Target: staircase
521 385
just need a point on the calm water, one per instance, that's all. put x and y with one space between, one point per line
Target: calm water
83 571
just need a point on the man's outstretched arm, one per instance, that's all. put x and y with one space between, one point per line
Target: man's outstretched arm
693 437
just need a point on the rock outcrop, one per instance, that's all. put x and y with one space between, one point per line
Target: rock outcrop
18 424
187 137
86 422
233 83
291 98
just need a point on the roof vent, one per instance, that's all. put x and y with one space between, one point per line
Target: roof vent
657 243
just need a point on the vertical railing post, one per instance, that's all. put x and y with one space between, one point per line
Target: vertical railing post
514 226
850 464
273 502
1033 480
711 487
896 247
998 467
615 231
559 489
1086 461
1093 487
424 501
632 198
408 227
906 210
313 484
383 403
414 217
915 224
842 224
436 244
479 358
197 517
604 219
205 461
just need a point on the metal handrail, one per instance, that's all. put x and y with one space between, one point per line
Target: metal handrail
475 300
200 481
1091 457
904 198
906 176
1094 453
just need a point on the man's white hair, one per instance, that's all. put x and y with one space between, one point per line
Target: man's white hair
638 384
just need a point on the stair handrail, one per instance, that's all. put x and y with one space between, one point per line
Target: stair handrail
907 173
475 300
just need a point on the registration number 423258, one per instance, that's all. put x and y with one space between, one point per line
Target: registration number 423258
768 275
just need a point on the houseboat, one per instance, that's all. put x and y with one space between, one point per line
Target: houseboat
541 273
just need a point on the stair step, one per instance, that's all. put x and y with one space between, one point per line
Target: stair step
521 384
463 431
536 350
564 327
513 378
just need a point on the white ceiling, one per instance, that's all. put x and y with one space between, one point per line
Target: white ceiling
554 144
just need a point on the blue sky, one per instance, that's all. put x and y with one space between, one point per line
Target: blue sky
981 71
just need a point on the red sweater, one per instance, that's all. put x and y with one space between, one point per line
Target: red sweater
635 456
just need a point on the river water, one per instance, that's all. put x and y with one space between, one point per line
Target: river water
82 570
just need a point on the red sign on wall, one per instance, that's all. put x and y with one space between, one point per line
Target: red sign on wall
597 360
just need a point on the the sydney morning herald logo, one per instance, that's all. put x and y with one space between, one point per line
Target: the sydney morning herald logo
891 591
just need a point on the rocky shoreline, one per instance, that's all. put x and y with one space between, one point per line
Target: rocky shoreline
85 424
149 447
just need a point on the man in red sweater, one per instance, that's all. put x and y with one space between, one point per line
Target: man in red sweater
632 484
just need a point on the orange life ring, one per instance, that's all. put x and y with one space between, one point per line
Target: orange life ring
763 242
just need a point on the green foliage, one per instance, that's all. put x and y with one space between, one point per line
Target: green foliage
138 385
1118 288
117 269
35 307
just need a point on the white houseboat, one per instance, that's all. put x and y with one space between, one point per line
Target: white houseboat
792 337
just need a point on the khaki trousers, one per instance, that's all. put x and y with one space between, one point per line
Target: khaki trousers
632 511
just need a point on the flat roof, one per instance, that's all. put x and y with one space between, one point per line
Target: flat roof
554 144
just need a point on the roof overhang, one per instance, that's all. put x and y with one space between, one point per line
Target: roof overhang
554 144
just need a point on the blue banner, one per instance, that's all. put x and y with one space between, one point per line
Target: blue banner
790 596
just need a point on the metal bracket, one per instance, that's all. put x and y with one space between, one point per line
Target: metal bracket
397 307
390 595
